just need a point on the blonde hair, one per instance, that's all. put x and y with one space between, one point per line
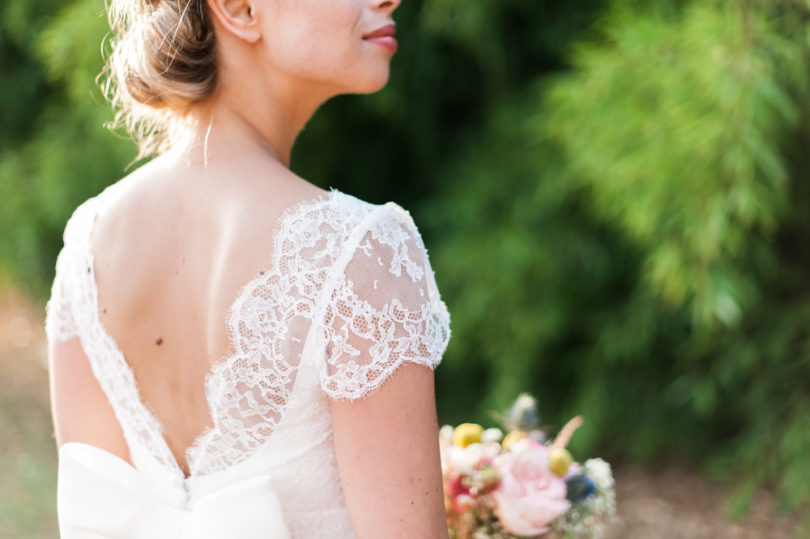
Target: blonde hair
161 62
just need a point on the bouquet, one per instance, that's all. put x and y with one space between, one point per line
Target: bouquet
522 484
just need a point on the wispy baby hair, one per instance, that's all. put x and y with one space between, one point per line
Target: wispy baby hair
161 61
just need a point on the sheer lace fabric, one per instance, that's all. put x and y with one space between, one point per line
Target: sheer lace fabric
383 309
348 296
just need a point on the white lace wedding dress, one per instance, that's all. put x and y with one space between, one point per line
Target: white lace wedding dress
348 296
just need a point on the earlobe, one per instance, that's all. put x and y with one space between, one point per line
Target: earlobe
237 17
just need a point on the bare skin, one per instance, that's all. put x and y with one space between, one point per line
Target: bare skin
190 228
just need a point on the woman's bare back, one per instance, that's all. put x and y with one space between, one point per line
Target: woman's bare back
171 253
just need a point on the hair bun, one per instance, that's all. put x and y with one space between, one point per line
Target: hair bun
162 61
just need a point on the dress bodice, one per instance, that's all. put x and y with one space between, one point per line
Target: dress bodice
348 295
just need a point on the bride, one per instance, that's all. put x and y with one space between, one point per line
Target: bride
234 352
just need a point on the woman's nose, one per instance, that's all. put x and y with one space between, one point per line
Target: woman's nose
386 5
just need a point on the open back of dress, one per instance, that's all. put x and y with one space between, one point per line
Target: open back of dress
348 295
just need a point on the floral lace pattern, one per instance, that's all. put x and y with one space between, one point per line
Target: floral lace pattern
349 290
379 315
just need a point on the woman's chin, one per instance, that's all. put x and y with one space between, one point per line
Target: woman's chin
373 82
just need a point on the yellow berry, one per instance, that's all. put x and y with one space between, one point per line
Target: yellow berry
467 433
513 437
559 461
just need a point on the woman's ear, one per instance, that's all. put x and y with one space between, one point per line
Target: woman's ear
237 17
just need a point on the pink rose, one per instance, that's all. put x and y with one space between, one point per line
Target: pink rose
530 496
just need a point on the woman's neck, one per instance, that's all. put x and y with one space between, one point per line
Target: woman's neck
237 124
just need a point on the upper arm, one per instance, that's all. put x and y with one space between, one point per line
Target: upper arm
387 450
81 411
385 331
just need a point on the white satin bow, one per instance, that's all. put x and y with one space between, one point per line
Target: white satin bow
101 495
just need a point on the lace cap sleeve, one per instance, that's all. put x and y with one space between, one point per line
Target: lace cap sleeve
60 324
63 315
383 309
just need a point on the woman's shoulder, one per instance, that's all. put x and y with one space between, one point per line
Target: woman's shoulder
84 214
372 216
336 210
81 219
380 224
255 208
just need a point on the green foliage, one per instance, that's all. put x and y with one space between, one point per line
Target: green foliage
677 128
69 156
22 86
626 240
683 134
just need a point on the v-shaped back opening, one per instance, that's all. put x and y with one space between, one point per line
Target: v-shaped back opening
148 427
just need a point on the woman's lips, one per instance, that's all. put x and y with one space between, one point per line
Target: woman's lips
389 42
384 37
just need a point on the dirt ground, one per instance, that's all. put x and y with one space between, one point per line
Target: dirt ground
672 502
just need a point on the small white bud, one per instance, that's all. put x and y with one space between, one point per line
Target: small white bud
493 435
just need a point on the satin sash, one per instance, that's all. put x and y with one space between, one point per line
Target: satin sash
101 495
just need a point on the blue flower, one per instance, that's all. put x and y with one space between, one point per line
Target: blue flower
579 487
523 414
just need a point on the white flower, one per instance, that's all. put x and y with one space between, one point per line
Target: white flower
493 435
469 457
525 401
599 472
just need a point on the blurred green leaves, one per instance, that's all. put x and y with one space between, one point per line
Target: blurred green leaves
677 128
627 238
61 154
